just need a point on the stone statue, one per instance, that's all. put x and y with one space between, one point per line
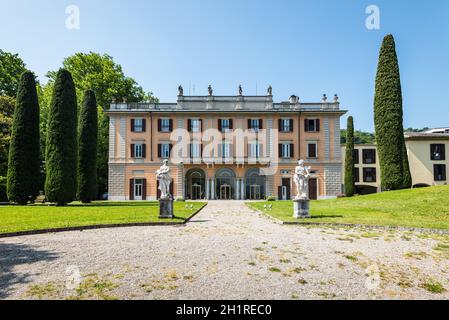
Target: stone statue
180 91
270 91
240 90
210 90
301 178
163 176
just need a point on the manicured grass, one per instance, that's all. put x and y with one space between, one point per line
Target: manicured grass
41 216
417 208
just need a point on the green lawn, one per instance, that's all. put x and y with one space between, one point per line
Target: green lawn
419 208
40 216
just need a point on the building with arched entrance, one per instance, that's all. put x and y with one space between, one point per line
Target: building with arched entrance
232 147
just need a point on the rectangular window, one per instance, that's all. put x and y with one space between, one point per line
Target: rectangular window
225 125
369 156
195 150
312 150
356 175
286 125
138 151
165 125
255 124
437 152
226 150
254 150
369 174
195 125
439 172
165 150
356 156
138 125
312 125
285 150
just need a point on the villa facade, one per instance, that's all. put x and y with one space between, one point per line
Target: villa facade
224 147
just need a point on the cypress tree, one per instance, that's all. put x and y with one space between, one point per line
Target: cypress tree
407 176
87 149
24 150
349 159
61 145
388 118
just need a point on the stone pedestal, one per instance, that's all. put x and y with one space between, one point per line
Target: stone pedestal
301 208
166 209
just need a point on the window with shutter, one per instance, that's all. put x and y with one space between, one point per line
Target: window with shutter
312 150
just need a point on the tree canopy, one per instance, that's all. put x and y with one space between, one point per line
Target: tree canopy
11 69
100 73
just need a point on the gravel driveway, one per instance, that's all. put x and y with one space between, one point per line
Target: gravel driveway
226 252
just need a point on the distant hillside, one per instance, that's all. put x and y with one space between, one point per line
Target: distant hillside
360 137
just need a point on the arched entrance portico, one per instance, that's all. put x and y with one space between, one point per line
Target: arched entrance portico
195 184
255 184
225 184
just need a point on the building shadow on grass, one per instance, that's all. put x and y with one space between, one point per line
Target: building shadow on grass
15 254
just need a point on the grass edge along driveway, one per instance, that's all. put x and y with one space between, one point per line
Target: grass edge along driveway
412 208
42 216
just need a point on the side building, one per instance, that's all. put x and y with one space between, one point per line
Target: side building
224 147
427 159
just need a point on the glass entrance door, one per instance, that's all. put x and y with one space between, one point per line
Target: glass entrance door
138 187
225 192
254 192
196 192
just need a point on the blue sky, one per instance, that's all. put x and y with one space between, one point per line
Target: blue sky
305 48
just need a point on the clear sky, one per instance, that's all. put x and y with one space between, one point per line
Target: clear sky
303 47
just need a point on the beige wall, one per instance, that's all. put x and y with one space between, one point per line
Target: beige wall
421 165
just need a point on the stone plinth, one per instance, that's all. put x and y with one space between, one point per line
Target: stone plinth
301 208
166 209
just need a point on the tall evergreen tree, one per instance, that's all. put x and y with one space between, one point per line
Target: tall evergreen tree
87 149
24 150
349 159
61 146
388 118
407 175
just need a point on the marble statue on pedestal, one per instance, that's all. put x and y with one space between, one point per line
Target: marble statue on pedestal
163 176
301 203
301 178
166 200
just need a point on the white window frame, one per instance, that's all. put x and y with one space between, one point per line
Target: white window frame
255 124
138 189
138 150
195 150
138 125
195 125
165 150
225 125
165 125
285 125
285 150
316 150
254 150
314 125
226 150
